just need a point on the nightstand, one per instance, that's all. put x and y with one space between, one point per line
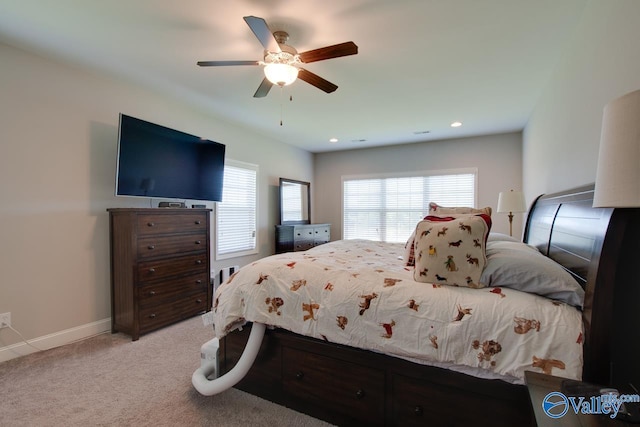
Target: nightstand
540 385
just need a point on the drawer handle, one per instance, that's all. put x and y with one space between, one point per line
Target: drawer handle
299 375
151 224
152 293
360 394
198 261
198 242
198 222
198 282
152 316
198 300
151 247
152 270
418 411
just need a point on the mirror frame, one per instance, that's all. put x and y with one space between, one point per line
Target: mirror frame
304 184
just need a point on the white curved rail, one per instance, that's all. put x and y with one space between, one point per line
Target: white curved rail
209 387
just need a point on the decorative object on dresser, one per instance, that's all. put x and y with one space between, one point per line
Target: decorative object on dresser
291 238
159 267
511 201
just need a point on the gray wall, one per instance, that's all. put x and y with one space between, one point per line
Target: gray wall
498 159
561 139
58 137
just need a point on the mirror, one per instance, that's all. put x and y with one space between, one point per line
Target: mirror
295 202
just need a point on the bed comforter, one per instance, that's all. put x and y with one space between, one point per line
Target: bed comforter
360 293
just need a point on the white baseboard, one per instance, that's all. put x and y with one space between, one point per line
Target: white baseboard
54 340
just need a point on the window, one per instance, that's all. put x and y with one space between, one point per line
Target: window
236 215
387 208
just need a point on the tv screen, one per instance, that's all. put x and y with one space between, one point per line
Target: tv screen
155 161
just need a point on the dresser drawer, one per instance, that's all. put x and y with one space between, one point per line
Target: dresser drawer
167 291
154 246
156 316
303 232
302 245
321 234
159 223
164 268
339 386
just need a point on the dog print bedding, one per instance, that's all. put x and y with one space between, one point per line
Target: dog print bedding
360 293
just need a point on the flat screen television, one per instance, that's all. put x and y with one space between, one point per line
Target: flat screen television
155 161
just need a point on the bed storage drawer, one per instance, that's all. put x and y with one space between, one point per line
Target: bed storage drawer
421 400
342 387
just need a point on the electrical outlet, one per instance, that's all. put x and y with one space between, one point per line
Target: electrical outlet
5 320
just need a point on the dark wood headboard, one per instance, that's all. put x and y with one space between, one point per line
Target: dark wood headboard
598 246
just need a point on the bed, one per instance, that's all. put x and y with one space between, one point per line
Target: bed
447 353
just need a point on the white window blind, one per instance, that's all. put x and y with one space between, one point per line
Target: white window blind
236 215
388 208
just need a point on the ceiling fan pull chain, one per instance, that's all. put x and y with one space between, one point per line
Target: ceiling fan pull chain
281 90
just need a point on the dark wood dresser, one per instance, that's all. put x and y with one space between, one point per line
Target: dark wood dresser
159 267
300 237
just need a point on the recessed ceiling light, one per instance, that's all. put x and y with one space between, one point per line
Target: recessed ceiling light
456 124
333 140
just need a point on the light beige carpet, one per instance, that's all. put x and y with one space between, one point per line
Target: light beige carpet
108 380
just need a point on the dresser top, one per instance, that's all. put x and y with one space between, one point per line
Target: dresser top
159 210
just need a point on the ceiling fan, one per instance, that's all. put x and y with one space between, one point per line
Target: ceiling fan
282 63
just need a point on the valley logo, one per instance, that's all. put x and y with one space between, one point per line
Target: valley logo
556 404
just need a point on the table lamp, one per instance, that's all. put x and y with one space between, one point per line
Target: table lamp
511 201
618 173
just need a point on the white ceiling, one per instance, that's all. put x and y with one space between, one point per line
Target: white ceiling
422 64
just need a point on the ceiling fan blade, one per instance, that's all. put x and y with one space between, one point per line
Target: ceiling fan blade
263 33
225 63
316 80
263 89
335 51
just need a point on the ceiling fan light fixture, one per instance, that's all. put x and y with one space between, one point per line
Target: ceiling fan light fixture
281 74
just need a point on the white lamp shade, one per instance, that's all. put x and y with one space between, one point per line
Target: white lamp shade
511 201
618 173
281 74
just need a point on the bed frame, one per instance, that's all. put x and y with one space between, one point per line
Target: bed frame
348 386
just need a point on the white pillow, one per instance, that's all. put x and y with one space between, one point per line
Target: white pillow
436 209
520 266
